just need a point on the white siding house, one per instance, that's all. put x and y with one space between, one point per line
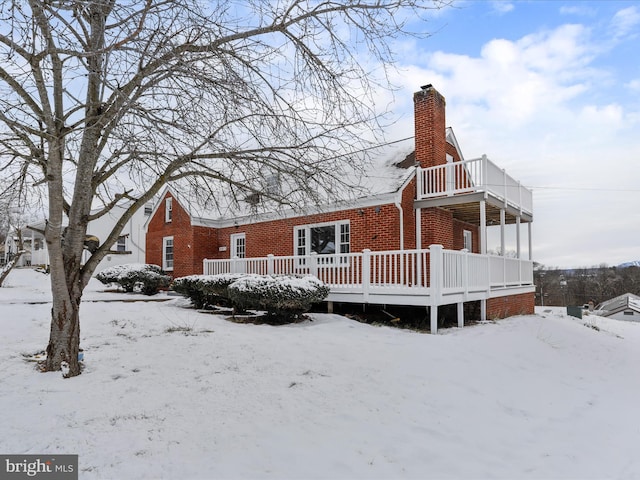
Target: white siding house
625 307
130 245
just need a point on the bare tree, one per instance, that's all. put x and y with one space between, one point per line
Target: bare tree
106 101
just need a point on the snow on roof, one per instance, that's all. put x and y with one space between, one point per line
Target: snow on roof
621 302
390 166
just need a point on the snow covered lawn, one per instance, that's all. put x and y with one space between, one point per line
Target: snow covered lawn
168 392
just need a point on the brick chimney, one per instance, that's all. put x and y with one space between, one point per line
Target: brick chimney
430 127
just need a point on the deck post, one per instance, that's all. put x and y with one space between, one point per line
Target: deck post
366 274
270 263
435 283
433 310
460 314
313 268
483 309
503 222
518 240
483 227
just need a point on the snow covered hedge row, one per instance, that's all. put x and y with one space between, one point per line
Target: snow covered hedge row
285 297
281 296
205 290
146 278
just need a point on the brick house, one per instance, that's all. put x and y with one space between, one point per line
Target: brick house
418 238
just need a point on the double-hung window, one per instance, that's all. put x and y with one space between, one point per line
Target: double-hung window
121 244
328 239
167 253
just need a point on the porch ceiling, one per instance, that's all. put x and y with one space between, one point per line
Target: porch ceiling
467 208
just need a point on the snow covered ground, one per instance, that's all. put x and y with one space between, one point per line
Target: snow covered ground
172 393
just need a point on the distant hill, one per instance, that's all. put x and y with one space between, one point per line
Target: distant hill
635 263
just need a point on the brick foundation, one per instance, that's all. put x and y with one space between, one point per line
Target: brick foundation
503 307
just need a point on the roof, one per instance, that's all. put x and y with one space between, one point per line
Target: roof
620 303
390 167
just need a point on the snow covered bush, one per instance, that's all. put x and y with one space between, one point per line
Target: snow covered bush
205 290
147 278
283 297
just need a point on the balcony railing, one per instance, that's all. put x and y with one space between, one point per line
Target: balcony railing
431 276
470 176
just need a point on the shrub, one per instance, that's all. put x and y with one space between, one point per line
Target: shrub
205 290
149 279
284 297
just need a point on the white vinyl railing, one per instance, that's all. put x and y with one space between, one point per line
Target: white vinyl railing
433 272
477 175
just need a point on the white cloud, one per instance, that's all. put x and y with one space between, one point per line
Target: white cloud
580 10
625 22
539 107
502 6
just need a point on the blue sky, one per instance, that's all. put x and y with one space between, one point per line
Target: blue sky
549 90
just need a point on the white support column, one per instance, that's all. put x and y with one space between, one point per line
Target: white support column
270 264
483 310
518 247
366 274
483 227
460 314
418 228
502 227
434 319
435 283
530 242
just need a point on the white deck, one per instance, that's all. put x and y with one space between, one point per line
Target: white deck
479 175
429 277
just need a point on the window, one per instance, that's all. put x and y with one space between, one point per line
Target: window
467 238
272 184
168 209
238 245
148 209
167 253
121 244
323 239
627 312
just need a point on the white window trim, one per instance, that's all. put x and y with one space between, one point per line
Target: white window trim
123 237
233 240
307 230
168 209
467 234
165 267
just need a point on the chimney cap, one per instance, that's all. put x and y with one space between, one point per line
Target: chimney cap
426 87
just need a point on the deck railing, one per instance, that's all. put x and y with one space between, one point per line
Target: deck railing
432 272
468 176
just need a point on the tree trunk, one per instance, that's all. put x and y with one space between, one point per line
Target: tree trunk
4 272
64 338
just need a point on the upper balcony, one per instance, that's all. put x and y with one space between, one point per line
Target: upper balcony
460 184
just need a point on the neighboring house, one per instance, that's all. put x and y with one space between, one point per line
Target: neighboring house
380 248
625 307
129 248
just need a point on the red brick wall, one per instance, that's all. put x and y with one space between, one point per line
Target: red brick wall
437 228
375 230
190 244
430 127
503 307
